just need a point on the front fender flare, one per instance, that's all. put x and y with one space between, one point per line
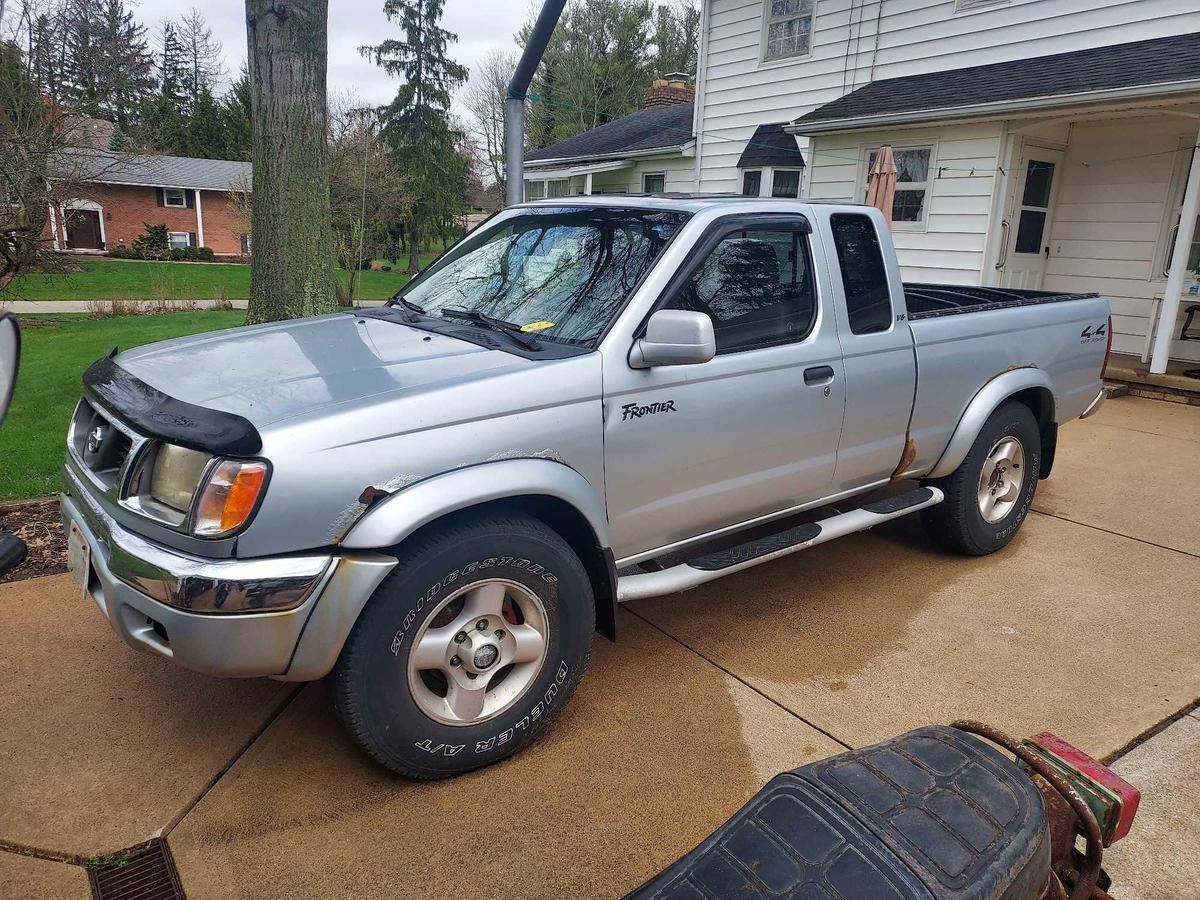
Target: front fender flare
982 405
389 522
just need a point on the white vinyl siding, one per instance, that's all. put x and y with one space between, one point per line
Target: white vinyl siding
738 92
1108 232
949 247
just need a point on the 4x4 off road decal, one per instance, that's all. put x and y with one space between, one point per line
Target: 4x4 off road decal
634 411
507 735
1090 335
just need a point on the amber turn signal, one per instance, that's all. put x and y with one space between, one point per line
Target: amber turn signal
229 497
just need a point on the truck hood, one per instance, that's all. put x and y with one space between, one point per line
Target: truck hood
269 373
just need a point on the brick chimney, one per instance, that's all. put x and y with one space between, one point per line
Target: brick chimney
674 87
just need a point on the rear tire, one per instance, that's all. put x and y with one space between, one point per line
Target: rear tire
989 494
498 601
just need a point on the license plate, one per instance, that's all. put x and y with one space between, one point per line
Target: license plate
79 559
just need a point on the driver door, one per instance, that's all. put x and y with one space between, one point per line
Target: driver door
693 448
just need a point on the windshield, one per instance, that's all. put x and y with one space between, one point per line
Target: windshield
559 272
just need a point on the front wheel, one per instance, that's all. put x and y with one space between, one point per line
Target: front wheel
473 643
989 494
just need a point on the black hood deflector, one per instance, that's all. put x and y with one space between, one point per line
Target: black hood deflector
152 413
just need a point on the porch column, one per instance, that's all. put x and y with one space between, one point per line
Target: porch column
1179 254
587 185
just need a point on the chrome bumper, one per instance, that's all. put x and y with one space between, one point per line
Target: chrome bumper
130 578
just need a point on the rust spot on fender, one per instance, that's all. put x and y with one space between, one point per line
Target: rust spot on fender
906 458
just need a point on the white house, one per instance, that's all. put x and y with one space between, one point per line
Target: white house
1041 143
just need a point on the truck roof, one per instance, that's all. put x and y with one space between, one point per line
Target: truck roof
684 202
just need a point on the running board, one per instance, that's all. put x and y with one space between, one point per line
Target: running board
715 565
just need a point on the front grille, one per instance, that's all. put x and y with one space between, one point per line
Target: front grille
101 446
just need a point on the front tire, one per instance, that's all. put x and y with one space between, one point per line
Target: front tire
989 494
468 649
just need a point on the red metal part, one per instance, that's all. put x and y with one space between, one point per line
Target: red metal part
1128 797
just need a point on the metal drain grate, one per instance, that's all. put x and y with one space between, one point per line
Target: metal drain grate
146 874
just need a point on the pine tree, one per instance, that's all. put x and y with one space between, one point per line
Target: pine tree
110 67
202 55
415 123
172 74
235 119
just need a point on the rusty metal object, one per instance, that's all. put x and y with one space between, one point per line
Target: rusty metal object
1081 873
906 458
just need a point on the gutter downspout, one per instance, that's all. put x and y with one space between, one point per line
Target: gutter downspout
1172 296
514 104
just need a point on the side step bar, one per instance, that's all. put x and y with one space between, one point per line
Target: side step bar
711 566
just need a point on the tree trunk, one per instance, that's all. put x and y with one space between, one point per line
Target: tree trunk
291 271
414 255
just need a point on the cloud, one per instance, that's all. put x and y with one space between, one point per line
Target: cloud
481 26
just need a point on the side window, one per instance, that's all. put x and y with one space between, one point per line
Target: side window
864 276
757 287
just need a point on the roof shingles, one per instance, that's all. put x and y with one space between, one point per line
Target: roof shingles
661 127
1140 63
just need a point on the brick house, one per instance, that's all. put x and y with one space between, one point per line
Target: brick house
123 193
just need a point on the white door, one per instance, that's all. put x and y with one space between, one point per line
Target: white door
1028 234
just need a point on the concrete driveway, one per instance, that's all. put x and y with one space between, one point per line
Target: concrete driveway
1088 625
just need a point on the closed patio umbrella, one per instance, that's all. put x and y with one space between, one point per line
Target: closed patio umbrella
881 182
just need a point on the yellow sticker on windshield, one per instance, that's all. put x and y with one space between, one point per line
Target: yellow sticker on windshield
537 326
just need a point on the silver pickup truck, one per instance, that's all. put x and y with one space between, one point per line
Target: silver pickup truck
438 502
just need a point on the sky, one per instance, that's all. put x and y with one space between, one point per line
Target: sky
481 25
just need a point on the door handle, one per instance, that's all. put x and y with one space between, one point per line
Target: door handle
1003 245
818 375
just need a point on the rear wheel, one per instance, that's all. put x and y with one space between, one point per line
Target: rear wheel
988 496
469 647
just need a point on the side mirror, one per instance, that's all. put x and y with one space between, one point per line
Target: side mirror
12 548
675 337
10 355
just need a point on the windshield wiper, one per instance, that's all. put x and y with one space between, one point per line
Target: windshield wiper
476 317
408 305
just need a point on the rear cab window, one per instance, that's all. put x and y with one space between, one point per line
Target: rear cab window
864 275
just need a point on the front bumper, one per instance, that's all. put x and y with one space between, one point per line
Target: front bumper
298 644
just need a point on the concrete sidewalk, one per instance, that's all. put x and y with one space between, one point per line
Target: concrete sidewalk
1086 625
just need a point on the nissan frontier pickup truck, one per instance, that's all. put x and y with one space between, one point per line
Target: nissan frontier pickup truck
437 503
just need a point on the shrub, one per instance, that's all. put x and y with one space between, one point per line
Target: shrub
153 243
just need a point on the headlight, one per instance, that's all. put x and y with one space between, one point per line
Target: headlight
176 475
228 497
191 491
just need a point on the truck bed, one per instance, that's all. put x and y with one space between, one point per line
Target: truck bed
930 301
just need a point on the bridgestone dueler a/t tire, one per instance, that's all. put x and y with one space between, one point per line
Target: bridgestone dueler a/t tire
957 524
370 685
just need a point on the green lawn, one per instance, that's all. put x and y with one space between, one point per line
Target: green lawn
54 352
120 279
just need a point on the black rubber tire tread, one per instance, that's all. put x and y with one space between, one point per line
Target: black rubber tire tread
347 673
956 523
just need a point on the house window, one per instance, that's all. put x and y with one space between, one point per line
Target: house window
912 184
245 244
787 28
179 239
1166 241
535 190
559 187
785 183
654 182
752 182
174 197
